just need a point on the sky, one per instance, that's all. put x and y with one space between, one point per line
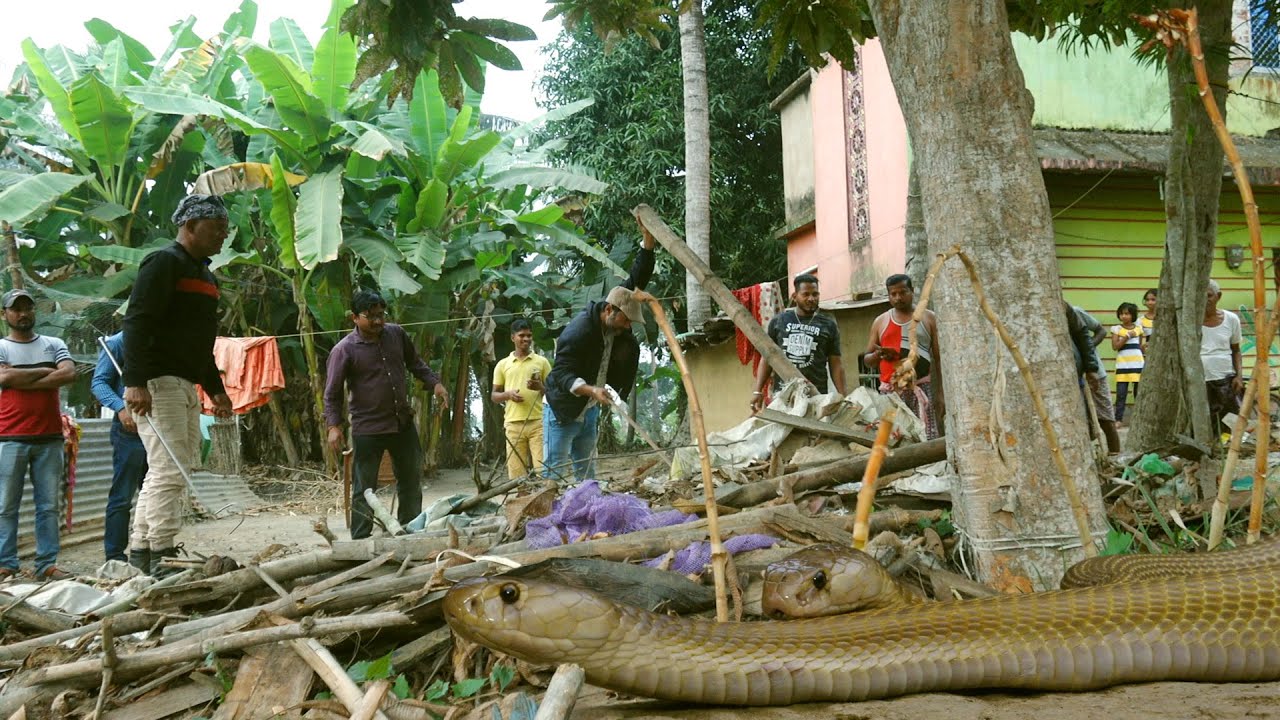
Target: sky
61 22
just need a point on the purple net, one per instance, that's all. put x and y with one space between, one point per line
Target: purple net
586 510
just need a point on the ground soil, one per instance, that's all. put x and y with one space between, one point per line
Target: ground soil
289 522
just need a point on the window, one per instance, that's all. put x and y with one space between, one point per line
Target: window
1264 29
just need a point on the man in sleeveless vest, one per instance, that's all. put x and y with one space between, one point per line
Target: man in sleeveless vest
889 344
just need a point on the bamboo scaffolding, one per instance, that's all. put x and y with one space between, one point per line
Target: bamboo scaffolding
719 558
907 368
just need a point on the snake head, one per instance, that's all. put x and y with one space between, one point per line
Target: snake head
531 620
825 580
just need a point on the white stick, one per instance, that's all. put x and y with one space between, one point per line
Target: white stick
562 693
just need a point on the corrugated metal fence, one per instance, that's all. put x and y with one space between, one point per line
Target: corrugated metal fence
93 483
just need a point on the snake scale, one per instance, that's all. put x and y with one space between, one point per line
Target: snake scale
1212 626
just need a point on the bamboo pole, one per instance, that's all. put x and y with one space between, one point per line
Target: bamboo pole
1173 27
1033 389
867 494
1218 514
719 558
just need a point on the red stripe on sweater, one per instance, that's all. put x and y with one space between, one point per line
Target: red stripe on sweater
196 285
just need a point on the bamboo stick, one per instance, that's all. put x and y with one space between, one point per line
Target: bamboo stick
562 693
1218 514
1033 389
333 674
1175 26
867 494
719 558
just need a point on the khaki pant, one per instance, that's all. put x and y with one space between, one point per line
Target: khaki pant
524 447
175 414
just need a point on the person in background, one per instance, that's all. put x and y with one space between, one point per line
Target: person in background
597 348
1148 319
890 342
169 331
810 339
1099 389
368 374
1129 342
32 368
523 372
1220 339
128 454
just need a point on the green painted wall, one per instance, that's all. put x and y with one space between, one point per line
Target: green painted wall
1108 90
1110 242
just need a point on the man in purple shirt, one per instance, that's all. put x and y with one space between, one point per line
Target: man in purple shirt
370 368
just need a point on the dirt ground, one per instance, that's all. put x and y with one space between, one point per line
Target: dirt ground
290 524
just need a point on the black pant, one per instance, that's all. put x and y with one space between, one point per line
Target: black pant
1222 401
406 461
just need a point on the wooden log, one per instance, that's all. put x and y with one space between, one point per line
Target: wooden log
86 672
642 544
421 647
817 427
123 624
381 514
415 546
23 614
739 314
235 582
333 674
903 458
562 693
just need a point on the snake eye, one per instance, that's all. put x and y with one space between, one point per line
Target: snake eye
820 579
509 593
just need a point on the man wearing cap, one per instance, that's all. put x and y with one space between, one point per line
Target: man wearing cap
169 332
32 368
596 349
368 371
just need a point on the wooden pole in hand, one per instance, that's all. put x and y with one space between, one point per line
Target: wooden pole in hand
741 317
719 558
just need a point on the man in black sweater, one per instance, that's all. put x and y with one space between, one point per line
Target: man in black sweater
169 332
595 349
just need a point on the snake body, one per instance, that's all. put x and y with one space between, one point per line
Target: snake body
1215 627
1135 568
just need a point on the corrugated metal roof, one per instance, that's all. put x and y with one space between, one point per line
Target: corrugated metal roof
1063 149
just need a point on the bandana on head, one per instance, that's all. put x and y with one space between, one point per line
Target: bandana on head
199 207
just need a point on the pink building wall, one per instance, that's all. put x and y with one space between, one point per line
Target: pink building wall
888 164
827 245
847 269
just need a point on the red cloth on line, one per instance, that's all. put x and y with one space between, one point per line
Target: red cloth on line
750 299
251 371
71 451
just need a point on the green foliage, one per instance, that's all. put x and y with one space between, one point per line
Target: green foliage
366 670
632 135
943 526
1118 543
407 37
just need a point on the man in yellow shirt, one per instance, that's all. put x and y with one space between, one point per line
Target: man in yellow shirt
523 371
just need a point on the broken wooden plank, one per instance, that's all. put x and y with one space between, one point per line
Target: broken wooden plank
169 702
817 427
269 681
23 614
902 458
415 546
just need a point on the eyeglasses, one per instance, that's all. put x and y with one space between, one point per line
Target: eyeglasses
379 317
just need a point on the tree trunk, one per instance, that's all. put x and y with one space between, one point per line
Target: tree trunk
697 157
968 114
918 258
1173 397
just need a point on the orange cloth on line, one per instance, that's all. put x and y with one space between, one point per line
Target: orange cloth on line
251 371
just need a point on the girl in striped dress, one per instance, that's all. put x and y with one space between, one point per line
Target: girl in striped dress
1129 341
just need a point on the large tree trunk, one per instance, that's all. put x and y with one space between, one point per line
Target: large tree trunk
1173 397
697 156
918 258
968 114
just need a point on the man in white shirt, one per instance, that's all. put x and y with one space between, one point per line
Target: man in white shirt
1220 356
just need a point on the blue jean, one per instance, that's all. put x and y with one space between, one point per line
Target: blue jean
42 461
570 444
128 467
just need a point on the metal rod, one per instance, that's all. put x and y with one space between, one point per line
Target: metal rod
102 342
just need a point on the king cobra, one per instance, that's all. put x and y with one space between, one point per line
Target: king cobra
1210 627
